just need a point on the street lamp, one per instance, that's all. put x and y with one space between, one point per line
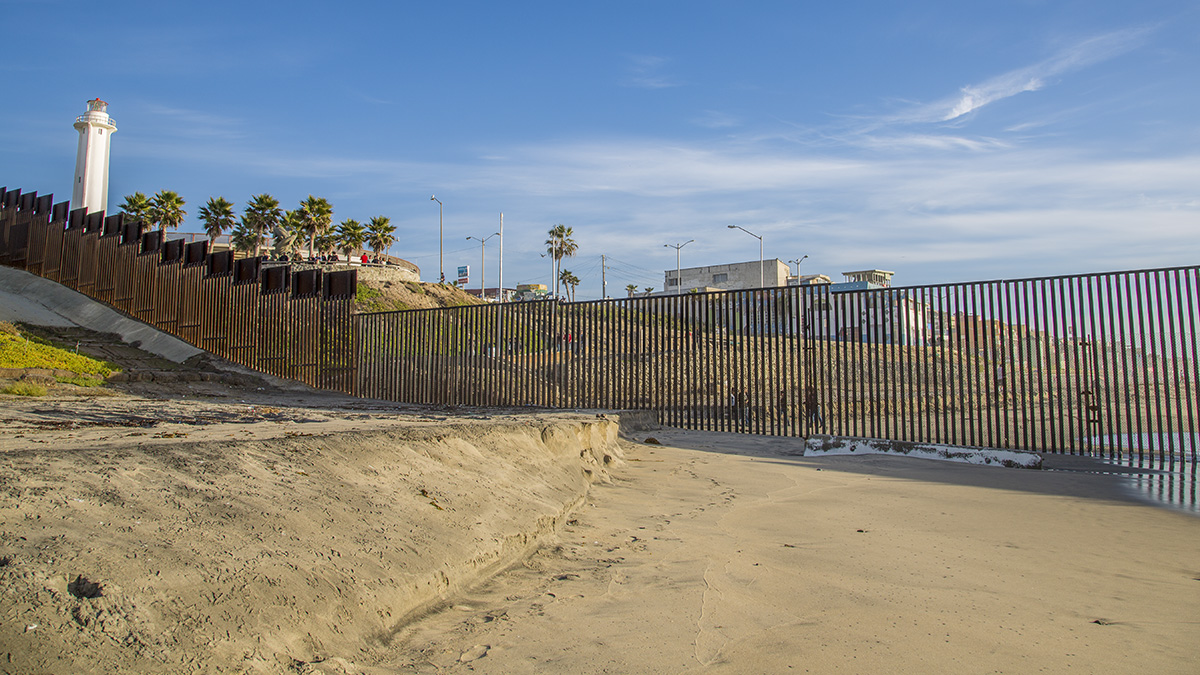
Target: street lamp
500 276
483 263
441 267
678 281
802 259
761 279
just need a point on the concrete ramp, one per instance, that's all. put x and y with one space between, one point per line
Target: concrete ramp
30 299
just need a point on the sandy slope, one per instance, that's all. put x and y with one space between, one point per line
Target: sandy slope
727 554
234 537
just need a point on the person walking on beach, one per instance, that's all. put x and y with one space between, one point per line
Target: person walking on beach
812 409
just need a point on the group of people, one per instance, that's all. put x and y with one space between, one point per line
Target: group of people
739 403
331 258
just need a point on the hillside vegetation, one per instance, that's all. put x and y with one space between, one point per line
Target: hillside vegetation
389 296
29 363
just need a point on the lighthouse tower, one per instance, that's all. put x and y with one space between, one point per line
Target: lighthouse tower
91 162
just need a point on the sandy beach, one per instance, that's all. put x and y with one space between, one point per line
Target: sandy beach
728 554
320 534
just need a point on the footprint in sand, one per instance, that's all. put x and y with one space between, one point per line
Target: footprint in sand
474 653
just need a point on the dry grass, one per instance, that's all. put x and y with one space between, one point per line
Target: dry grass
24 389
391 296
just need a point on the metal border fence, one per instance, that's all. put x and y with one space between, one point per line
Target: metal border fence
290 324
1104 364
1098 363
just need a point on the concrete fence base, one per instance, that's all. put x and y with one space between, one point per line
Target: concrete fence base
818 446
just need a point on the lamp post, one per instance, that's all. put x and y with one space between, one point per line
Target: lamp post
761 278
678 281
441 267
500 276
483 263
802 259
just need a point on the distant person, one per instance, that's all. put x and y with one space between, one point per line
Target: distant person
742 408
365 259
812 409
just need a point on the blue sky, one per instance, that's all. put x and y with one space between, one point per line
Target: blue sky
947 141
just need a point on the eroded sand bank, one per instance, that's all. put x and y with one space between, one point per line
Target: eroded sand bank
259 538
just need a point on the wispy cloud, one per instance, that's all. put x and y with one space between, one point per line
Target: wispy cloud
1013 211
940 125
1029 78
905 142
713 119
645 72
188 122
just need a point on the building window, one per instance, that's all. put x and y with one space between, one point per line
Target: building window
720 278
672 282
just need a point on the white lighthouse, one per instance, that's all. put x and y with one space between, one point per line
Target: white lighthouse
91 163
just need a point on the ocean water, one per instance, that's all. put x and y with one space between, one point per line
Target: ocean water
1167 478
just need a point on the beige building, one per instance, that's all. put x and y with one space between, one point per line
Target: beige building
734 276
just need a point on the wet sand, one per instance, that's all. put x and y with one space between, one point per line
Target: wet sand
726 554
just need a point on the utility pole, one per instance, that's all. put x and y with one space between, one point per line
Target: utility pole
603 279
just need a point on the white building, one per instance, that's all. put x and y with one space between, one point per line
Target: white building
884 316
808 280
731 277
90 187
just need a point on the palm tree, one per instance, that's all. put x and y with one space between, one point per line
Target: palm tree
560 245
166 209
570 281
326 243
380 234
261 216
245 239
317 217
350 236
649 290
217 216
137 207
631 289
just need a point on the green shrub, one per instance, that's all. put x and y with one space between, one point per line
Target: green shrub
24 389
81 381
17 352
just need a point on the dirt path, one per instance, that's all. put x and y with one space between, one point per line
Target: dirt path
750 560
